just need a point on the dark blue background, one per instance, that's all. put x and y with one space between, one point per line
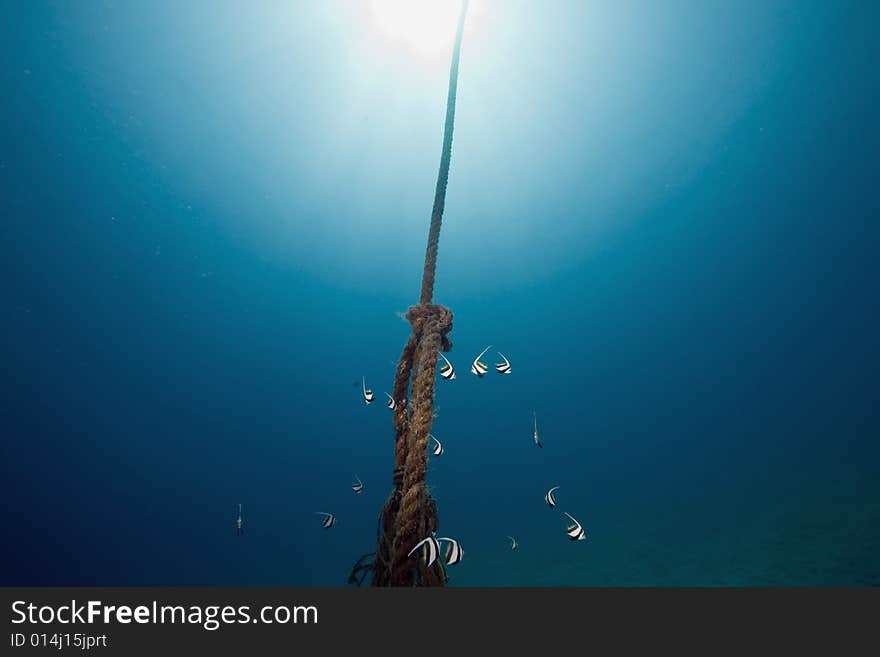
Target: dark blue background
665 217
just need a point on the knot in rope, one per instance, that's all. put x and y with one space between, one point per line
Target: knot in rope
424 313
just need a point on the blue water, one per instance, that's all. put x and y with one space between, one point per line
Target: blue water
664 214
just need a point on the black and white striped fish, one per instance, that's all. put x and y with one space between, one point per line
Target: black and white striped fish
329 519
432 549
446 371
513 543
368 394
477 367
391 403
438 449
548 498
537 440
454 553
575 531
359 486
503 368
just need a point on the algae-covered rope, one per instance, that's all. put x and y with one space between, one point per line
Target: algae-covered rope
410 513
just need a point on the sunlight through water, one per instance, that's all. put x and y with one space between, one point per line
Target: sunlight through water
427 27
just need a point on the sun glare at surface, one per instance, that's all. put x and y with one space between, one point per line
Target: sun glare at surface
426 26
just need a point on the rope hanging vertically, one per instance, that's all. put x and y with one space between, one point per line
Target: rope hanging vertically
443 173
410 513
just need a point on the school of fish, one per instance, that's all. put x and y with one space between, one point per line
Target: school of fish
430 548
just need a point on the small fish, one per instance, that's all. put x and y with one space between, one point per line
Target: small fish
548 498
575 531
513 543
537 440
329 519
438 450
359 486
446 371
368 394
391 403
477 367
454 553
503 368
432 546
239 531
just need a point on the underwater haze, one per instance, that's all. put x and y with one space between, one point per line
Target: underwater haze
664 214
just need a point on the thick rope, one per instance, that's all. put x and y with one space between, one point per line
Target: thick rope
410 513
417 518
